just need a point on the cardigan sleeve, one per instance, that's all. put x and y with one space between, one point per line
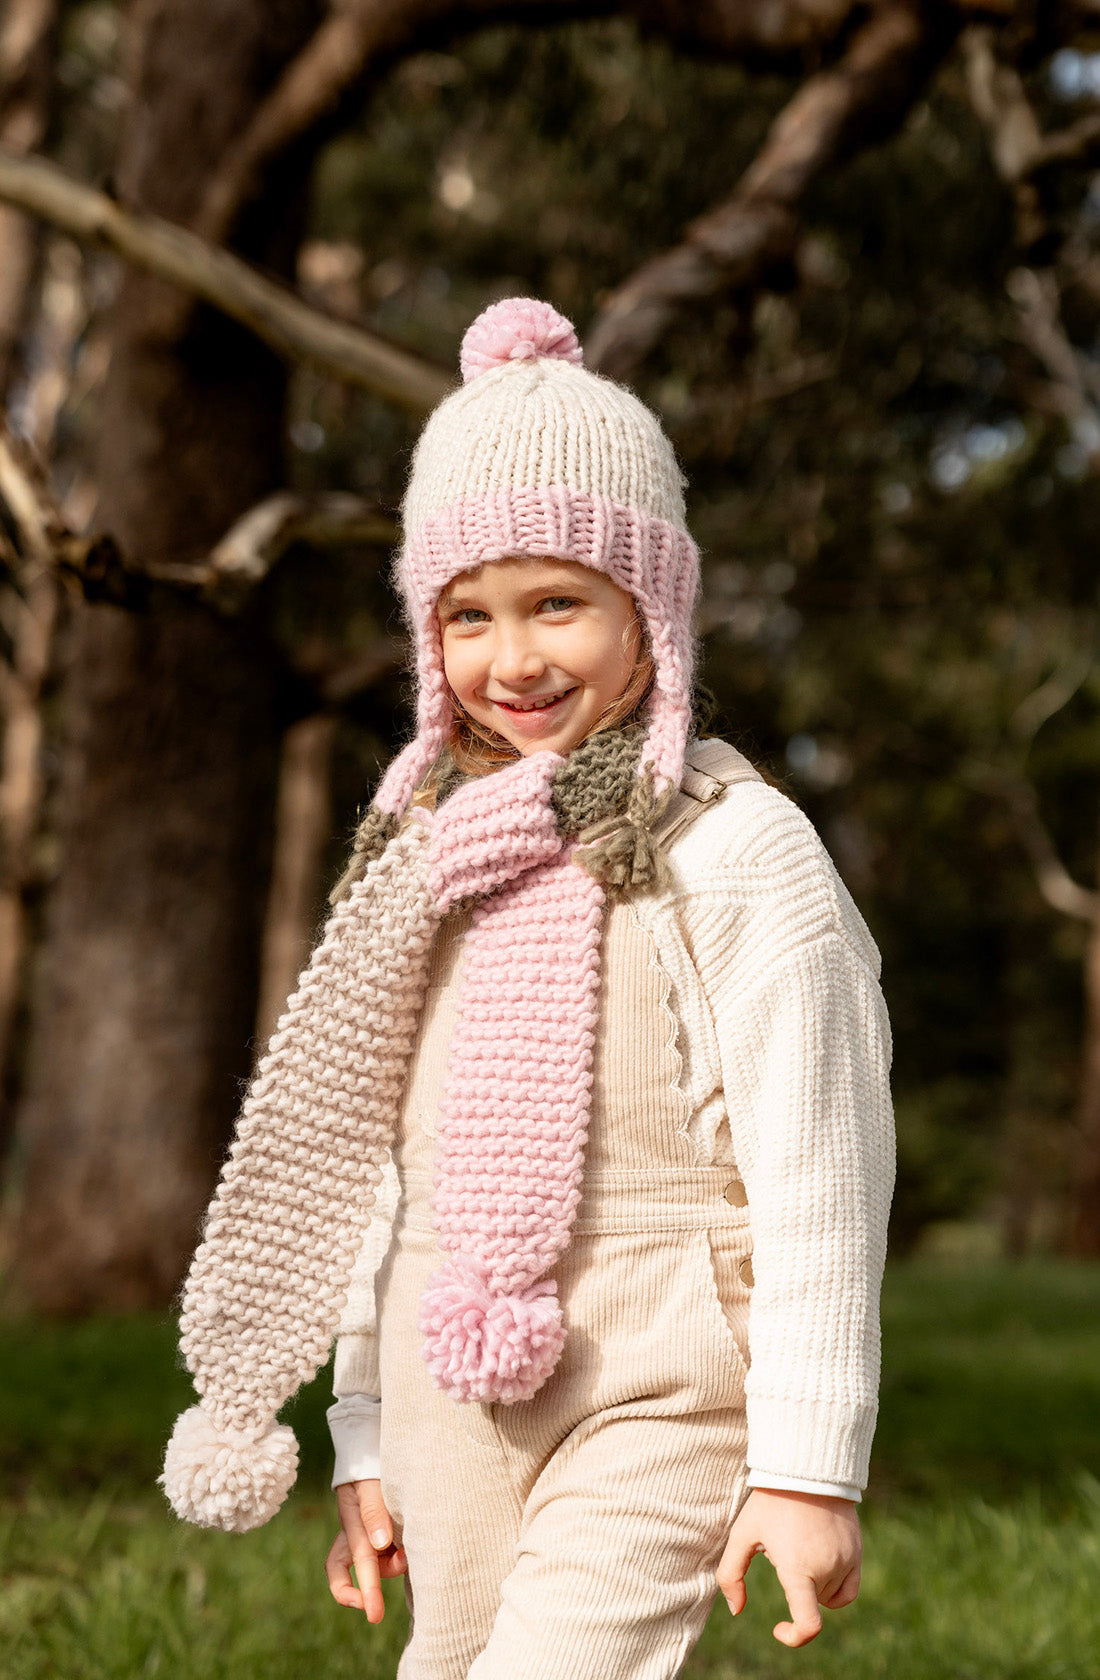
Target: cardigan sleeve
775 979
355 1420
805 1055
356 1364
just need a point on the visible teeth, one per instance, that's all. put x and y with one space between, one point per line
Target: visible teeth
535 706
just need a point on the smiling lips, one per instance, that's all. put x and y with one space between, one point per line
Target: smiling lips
531 712
538 703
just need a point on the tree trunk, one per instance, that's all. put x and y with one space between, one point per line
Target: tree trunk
148 984
1084 1232
302 828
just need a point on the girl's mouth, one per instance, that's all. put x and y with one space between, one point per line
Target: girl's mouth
534 713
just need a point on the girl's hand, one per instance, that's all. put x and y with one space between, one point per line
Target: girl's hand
365 1540
815 1546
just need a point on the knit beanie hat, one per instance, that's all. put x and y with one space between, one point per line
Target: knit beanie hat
534 455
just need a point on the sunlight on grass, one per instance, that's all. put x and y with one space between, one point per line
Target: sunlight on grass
109 1590
115 1590
982 1521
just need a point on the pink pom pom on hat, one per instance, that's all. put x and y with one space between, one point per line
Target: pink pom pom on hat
535 455
516 330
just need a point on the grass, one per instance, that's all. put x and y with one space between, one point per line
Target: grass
982 1522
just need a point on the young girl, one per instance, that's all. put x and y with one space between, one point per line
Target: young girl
590 1057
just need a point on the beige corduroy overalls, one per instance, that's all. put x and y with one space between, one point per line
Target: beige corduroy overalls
575 1535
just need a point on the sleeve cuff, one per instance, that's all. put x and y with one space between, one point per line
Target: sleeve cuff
800 1484
355 1423
821 1440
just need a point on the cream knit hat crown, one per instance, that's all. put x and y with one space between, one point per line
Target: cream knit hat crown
534 455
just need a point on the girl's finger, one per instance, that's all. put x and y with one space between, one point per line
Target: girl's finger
370 1583
392 1562
846 1592
736 1558
338 1571
805 1622
374 1516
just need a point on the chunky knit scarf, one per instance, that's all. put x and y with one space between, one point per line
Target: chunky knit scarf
533 846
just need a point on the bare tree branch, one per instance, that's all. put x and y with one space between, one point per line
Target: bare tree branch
1051 696
1069 145
1000 101
735 246
1010 783
47 543
29 608
174 253
251 547
244 556
27 34
1053 879
357 34
1073 380
1019 149
332 61
23 488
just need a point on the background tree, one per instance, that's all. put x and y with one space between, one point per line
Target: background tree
866 308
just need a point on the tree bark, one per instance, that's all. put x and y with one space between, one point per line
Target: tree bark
148 982
1084 1231
301 832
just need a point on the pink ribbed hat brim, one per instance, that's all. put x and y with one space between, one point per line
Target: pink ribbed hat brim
655 561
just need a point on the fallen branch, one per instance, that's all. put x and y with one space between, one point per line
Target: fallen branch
270 310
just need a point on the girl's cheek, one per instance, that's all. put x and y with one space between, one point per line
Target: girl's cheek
458 664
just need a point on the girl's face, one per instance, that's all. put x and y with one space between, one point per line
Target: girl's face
537 649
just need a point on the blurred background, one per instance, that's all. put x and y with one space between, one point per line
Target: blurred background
851 254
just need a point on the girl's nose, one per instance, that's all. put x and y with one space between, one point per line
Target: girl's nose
516 659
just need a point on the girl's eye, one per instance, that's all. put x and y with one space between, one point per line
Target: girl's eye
466 615
559 603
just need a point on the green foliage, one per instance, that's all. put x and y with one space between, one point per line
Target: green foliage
991 1380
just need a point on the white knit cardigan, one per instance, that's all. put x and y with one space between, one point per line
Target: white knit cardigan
781 1028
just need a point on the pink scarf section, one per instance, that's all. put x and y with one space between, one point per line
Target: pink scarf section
514 1116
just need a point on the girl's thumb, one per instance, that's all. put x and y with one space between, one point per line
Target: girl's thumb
376 1519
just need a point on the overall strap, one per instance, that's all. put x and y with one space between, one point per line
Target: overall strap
711 767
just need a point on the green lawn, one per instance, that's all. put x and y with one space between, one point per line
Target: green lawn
982 1522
